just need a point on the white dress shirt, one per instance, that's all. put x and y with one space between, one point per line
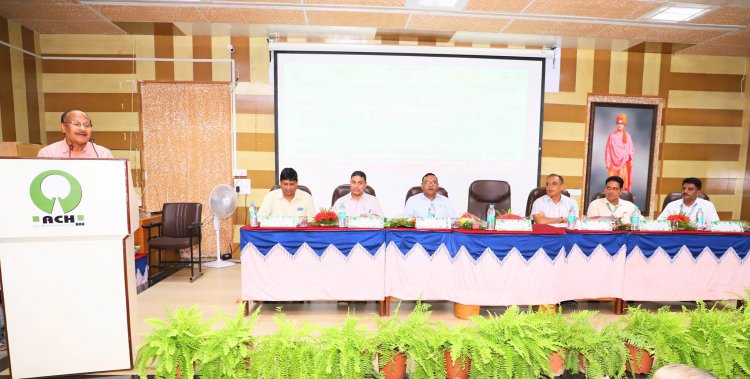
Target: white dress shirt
677 206
552 210
419 204
367 205
603 208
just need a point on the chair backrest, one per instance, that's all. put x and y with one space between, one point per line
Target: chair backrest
537 193
275 187
177 218
625 195
344 189
484 192
677 196
417 190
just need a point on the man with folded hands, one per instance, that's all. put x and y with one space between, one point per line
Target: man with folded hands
287 201
611 206
553 207
357 202
420 204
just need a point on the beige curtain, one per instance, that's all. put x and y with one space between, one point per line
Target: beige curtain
187 149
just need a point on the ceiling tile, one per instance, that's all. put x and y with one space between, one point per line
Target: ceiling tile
73 27
726 16
254 16
497 6
564 29
741 38
451 23
375 20
710 49
377 3
590 8
657 34
48 12
149 14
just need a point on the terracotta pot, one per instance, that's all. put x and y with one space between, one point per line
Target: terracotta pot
396 368
464 312
645 362
454 371
556 364
581 363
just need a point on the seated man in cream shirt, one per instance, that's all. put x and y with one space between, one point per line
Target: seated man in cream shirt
611 206
357 202
553 207
287 201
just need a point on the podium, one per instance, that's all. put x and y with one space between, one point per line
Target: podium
64 265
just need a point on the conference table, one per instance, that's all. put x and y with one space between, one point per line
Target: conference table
547 265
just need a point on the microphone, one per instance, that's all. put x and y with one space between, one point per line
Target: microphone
91 140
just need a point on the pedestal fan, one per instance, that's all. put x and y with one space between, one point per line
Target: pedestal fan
223 202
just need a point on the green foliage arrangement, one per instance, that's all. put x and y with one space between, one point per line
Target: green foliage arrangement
414 336
512 345
460 340
400 223
603 352
173 344
346 352
724 333
225 352
288 353
663 334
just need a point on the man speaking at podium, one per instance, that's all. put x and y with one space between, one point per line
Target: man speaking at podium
75 126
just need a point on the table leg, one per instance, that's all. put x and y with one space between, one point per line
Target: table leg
618 306
385 306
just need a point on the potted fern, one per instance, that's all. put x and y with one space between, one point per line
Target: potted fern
598 353
287 353
724 336
415 337
512 345
458 344
173 344
346 352
225 352
656 339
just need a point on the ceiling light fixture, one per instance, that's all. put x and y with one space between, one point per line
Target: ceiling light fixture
677 12
445 5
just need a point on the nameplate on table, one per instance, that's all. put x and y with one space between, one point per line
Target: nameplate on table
511 225
726 226
597 225
433 223
278 221
655 225
366 222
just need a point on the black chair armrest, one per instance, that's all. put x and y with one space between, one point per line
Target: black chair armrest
150 226
195 229
155 213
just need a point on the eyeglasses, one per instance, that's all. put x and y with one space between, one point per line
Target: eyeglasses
78 124
429 182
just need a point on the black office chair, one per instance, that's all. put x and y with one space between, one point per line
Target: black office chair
180 228
275 187
537 193
417 190
344 189
677 196
484 192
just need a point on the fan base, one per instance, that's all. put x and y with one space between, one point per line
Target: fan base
218 264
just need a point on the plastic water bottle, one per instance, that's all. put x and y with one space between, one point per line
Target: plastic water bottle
342 216
700 223
572 217
491 217
431 211
635 220
253 215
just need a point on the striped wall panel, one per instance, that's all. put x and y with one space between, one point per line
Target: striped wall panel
20 116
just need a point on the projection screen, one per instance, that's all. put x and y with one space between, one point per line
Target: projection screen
397 116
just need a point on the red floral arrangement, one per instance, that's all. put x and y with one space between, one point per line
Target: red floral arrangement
508 216
326 217
680 221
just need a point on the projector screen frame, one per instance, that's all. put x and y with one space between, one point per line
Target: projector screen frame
541 56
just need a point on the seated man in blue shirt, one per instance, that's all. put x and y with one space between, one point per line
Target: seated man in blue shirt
420 204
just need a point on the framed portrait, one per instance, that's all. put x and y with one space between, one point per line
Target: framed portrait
623 136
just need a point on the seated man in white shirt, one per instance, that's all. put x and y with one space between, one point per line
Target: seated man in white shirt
358 202
287 201
611 206
553 207
420 204
690 203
